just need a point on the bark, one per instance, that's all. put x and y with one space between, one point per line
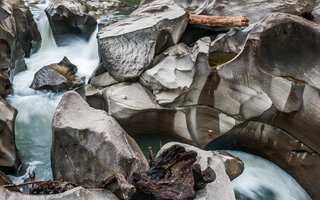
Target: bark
219 20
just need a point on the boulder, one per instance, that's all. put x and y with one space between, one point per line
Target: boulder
254 10
128 47
57 77
68 17
102 80
98 8
93 97
221 188
179 73
234 166
19 38
76 193
9 158
89 145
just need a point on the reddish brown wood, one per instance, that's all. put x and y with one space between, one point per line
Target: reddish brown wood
206 20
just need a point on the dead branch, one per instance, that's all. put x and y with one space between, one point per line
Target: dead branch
206 20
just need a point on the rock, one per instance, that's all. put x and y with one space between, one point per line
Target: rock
277 146
178 72
9 158
5 180
221 188
68 17
93 97
98 8
57 77
19 38
89 145
128 46
76 193
316 12
102 80
234 166
253 10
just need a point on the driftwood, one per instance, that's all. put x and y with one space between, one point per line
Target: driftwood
202 178
51 187
118 185
206 20
171 175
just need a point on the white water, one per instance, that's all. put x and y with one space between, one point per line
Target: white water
36 108
263 180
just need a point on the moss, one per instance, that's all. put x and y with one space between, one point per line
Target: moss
219 58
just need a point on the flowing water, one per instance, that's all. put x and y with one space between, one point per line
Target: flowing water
260 180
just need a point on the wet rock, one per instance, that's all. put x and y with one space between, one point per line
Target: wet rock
128 46
57 77
19 38
221 188
181 70
98 8
76 193
9 158
277 146
253 10
89 145
68 17
5 180
234 166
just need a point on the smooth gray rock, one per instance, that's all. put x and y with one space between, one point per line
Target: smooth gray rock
57 77
78 193
177 73
69 17
93 97
128 46
254 10
9 158
89 145
103 80
221 188
234 166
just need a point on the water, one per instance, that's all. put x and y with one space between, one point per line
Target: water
263 180
36 108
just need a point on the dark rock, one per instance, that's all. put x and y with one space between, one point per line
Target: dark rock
57 77
9 158
89 145
19 38
234 166
5 180
93 97
68 17
128 46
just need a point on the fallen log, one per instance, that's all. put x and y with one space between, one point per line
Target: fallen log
171 175
118 185
51 187
206 20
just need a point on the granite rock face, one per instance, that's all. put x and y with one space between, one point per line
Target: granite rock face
128 47
177 72
57 77
69 17
221 188
9 158
89 145
19 38
254 10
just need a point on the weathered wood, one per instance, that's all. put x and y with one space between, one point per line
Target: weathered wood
206 20
202 178
171 176
118 185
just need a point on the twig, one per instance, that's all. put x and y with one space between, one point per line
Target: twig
26 183
151 157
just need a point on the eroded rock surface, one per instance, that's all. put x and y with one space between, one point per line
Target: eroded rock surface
128 46
254 10
57 77
89 145
68 17
9 158
19 38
